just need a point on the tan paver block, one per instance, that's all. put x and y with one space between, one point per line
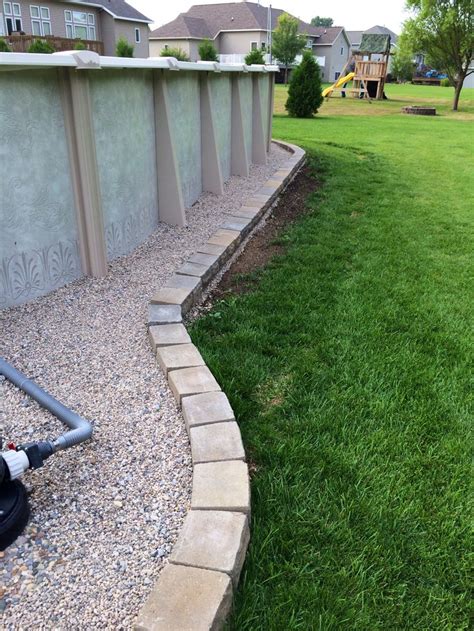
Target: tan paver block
167 335
216 442
178 356
192 269
239 224
208 407
274 183
187 599
224 237
248 213
204 259
164 314
283 173
221 486
268 190
173 296
183 281
204 272
212 248
213 540
192 381
258 200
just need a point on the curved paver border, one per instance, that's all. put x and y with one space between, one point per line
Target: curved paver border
194 591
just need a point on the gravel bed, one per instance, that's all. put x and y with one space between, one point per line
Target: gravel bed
105 515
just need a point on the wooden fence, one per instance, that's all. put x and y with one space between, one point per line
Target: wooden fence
21 43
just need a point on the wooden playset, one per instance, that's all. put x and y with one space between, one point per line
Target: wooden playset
367 75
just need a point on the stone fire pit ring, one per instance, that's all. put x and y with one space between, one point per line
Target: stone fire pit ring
419 110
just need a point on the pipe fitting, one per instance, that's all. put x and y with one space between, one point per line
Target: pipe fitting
17 462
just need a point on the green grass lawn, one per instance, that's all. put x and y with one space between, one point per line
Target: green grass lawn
349 366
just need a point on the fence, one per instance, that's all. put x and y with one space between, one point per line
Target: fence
21 43
94 151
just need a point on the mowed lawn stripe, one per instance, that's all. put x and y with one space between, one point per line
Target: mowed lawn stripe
349 367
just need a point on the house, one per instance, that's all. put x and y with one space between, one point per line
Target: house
98 23
236 28
355 37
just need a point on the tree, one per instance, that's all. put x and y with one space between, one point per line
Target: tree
318 21
207 51
287 44
443 30
254 57
402 62
123 48
177 53
304 94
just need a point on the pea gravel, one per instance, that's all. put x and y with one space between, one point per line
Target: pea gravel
105 515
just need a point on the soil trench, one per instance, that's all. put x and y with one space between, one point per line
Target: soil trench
265 244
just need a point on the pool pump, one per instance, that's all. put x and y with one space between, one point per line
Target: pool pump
15 460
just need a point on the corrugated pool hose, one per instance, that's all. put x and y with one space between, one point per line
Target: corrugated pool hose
16 460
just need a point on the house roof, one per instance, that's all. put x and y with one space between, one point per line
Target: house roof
208 20
117 8
184 26
382 30
327 34
354 37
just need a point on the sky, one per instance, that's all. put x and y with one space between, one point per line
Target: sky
354 15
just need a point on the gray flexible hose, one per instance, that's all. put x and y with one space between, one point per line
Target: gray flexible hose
81 429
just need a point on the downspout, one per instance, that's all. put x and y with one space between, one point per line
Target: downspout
80 429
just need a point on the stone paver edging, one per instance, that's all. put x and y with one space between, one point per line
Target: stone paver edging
194 591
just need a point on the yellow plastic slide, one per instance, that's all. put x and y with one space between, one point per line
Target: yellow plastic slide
340 82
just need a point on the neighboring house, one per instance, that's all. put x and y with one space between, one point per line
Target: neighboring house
98 23
333 44
355 38
236 28
469 80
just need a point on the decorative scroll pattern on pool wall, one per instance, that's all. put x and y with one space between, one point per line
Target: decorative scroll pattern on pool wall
123 236
38 231
27 275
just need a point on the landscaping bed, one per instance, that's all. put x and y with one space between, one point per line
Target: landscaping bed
105 515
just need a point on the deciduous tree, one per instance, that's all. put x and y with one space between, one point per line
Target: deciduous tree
287 44
443 30
319 21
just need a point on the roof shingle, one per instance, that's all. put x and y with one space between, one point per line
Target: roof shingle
120 9
234 16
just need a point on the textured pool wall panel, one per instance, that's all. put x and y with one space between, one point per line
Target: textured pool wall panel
38 229
123 114
221 91
246 95
67 133
264 96
184 95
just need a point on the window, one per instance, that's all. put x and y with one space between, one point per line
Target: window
12 11
80 25
137 36
309 43
40 20
336 76
342 50
264 46
253 45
